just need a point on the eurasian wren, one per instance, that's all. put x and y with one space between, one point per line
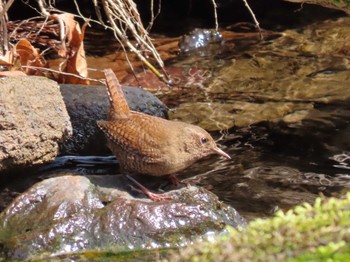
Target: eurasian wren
151 145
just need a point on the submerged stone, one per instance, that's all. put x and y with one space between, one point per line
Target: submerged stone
203 42
275 80
73 213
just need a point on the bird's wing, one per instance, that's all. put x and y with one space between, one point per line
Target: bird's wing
135 139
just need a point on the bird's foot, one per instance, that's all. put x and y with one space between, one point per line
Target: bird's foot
153 196
175 181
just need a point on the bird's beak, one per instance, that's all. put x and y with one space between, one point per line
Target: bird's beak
221 153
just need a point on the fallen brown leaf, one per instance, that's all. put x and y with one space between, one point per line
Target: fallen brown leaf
7 59
12 73
29 56
73 50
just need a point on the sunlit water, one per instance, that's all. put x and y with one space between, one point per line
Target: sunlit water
275 165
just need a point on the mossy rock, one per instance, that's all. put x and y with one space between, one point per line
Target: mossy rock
306 233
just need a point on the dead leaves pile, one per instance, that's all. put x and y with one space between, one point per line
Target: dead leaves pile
24 59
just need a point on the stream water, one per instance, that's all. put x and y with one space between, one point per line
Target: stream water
277 162
276 166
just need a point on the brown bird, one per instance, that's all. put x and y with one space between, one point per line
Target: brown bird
151 145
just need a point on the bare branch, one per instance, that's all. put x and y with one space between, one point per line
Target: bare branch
154 16
257 25
43 9
215 15
5 7
123 16
64 73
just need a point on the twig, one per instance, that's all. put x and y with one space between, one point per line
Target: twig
98 12
127 16
79 12
257 25
154 16
215 15
3 25
63 73
20 24
42 7
40 29
63 30
5 8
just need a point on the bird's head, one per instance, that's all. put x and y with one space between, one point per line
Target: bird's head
200 143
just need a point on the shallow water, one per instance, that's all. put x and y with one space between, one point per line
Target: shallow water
274 166
282 107
283 112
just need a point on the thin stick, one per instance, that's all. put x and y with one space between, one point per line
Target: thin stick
64 73
154 16
121 35
215 15
79 12
3 29
43 8
257 25
6 7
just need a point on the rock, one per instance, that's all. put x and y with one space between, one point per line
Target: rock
35 126
86 104
33 120
203 42
69 213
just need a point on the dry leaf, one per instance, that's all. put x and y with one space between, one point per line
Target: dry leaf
12 73
29 56
7 59
73 50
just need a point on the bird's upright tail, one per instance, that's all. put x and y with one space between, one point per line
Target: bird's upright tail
119 106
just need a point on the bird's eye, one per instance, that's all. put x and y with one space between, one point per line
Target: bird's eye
204 140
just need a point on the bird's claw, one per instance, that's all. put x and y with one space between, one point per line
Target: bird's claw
153 196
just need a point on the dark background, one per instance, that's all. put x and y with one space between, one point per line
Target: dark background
181 16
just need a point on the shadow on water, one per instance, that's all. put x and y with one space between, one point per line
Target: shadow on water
274 165
277 166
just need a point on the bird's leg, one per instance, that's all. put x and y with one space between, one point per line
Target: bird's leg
153 196
175 181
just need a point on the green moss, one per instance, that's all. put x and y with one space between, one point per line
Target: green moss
306 233
331 252
346 2
113 254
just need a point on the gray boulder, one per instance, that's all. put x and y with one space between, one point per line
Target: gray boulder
39 119
87 104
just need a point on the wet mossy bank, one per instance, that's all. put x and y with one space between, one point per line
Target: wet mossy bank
306 233
73 214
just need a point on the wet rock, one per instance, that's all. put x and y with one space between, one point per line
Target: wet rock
33 120
74 213
86 104
239 114
203 42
